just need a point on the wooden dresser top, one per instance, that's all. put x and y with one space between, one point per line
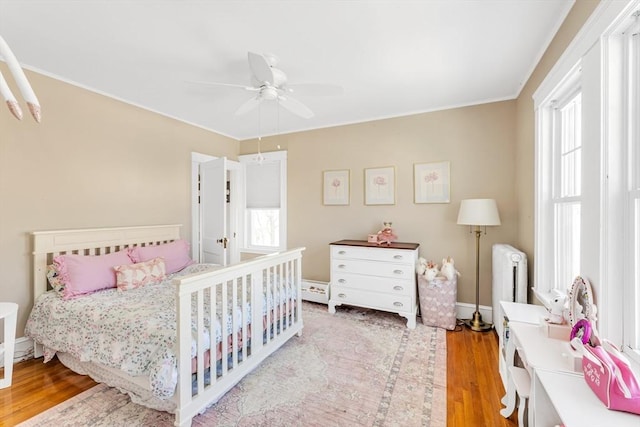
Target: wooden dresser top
393 245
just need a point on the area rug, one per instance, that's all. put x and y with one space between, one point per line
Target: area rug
358 367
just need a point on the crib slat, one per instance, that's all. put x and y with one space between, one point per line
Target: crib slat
223 326
199 340
212 335
234 324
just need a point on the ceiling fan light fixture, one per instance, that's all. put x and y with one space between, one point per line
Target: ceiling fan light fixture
269 93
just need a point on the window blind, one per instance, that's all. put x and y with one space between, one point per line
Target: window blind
263 185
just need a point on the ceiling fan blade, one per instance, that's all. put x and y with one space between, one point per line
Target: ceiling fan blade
296 107
260 68
315 89
201 83
249 105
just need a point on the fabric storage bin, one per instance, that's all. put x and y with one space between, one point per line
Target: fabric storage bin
438 301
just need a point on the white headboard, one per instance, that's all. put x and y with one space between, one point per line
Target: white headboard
93 241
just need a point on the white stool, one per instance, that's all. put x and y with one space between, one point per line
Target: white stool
522 382
8 312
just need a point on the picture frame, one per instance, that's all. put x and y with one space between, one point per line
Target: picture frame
336 187
379 186
431 182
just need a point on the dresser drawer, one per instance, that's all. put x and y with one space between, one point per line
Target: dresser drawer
373 268
387 302
373 254
375 284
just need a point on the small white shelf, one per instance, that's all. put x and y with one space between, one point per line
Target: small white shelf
524 313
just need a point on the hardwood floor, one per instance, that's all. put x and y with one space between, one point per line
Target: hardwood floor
474 388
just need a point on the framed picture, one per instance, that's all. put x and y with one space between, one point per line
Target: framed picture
431 183
335 187
379 186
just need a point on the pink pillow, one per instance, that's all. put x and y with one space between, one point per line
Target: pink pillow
131 276
82 274
175 254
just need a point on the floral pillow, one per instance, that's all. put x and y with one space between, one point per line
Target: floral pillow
54 279
132 276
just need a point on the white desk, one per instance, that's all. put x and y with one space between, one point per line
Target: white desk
559 393
563 397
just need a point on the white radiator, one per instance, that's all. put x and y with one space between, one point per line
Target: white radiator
509 279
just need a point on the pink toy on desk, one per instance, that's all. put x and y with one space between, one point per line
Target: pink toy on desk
386 234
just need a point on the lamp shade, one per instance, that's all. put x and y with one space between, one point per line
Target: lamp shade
478 212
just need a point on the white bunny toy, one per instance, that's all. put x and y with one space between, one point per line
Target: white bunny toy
427 269
448 270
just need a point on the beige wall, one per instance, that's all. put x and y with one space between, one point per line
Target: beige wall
525 134
479 142
92 162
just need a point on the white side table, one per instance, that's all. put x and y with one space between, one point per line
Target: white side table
8 312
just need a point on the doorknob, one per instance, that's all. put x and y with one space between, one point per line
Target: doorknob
223 242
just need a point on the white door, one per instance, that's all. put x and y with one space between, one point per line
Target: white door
220 195
213 212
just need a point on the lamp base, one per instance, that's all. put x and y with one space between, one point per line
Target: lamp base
476 324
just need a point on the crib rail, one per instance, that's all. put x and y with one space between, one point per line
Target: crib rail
257 301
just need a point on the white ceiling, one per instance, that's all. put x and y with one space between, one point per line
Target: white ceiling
392 58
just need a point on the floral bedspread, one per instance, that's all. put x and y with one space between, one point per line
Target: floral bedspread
134 330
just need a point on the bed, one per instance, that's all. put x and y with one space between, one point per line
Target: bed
178 344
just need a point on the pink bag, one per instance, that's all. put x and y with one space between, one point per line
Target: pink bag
608 374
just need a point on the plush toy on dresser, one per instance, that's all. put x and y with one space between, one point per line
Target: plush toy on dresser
386 235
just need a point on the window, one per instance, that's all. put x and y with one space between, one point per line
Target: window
567 181
588 204
631 228
560 181
265 204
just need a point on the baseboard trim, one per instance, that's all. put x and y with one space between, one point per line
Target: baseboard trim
23 350
465 311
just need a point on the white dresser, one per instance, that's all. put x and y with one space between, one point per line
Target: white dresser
375 276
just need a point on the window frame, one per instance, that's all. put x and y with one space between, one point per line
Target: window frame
279 157
548 184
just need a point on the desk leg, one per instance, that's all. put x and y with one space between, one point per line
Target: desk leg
509 399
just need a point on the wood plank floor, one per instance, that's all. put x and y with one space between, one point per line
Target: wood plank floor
474 388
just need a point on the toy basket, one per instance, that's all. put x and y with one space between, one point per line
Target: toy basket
438 301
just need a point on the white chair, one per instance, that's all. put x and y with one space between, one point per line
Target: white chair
8 312
522 382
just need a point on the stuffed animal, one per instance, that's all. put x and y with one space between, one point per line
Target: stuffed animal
557 309
431 271
448 270
426 269
421 266
386 234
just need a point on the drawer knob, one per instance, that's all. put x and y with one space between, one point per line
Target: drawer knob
342 252
398 288
341 266
398 257
398 272
398 304
342 281
342 295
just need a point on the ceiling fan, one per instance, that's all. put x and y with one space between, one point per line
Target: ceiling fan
270 83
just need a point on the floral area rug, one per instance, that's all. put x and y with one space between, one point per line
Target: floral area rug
358 367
